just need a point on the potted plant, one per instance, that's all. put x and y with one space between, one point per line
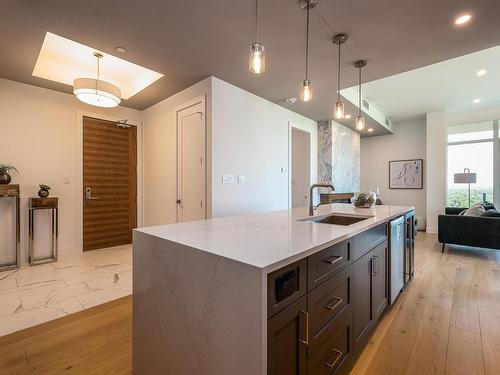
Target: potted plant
44 191
5 171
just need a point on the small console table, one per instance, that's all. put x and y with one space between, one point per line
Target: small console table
12 191
42 204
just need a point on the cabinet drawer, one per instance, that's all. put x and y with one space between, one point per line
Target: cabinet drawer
328 262
285 286
367 240
335 356
327 303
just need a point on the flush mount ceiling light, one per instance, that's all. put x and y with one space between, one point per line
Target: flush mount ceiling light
360 120
370 130
463 19
477 100
339 39
121 49
306 90
95 91
481 72
291 100
257 60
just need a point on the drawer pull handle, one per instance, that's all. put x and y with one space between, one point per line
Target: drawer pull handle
336 361
306 341
334 259
331 306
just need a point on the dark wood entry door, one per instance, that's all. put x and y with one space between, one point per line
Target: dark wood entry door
109 183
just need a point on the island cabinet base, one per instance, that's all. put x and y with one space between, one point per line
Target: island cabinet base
325 330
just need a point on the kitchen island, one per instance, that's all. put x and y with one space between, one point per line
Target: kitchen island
271 293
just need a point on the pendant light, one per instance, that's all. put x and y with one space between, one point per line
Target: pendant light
306 91
360 120
339 112
96 92
257 60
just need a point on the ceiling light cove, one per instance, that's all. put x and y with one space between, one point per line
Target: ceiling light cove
463 19
63 60
481 72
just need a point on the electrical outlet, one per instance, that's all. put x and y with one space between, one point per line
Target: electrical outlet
228 179
241 179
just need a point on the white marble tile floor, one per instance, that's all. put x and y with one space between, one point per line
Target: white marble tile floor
34 295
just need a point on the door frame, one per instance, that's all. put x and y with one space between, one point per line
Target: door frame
313 148
308 134
79 176
195 101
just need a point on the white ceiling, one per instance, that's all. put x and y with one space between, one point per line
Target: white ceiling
448 85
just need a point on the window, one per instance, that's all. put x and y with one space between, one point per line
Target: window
473 146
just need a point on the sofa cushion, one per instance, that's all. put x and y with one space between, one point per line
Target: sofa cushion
491 213
476 210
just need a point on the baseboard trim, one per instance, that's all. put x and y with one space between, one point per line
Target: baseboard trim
431 230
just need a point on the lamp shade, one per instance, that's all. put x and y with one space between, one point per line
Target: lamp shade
96 92
464 178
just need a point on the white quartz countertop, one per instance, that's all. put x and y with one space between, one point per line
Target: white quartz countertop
273 239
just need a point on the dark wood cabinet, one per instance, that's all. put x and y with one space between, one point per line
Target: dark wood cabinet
370 293
287 340
379 280
362 300
322 327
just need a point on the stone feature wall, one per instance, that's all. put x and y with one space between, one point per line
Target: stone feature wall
338 156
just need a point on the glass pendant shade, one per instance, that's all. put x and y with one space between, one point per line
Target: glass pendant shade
96 92
257 61
360 123
339 110
306 91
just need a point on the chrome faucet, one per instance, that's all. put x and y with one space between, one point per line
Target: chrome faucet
312 207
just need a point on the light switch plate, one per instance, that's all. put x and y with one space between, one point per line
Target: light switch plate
228 179
66 180
241 179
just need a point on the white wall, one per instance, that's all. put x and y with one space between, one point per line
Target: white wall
407 142
160 155
436 168
251 137
39 136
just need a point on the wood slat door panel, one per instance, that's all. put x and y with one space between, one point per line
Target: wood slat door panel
110 170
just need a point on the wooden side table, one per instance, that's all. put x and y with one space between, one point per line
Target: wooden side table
12 191
42 204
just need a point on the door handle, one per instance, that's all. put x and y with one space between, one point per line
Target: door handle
334 259
306 341
331 306
88 194
336 361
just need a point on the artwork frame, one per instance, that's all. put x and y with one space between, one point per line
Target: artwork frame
406 174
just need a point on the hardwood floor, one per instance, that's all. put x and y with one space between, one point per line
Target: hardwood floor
447 322
94 341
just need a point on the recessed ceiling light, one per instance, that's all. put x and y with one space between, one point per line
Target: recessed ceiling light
370 129
463 19
481 72
121 49
477 100
348 116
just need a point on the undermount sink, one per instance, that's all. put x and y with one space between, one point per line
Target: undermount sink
338 219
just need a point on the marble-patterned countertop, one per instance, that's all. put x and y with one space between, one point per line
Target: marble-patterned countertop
273 239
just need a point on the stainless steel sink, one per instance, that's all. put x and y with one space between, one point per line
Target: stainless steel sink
337 219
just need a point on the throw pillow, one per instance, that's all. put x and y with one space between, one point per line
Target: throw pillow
463 212
488 206
491 213
476 210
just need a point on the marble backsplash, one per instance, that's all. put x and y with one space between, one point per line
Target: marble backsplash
338 156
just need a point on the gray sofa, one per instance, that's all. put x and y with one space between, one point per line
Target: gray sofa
478 231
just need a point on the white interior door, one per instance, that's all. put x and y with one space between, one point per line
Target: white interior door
191 168
301 167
